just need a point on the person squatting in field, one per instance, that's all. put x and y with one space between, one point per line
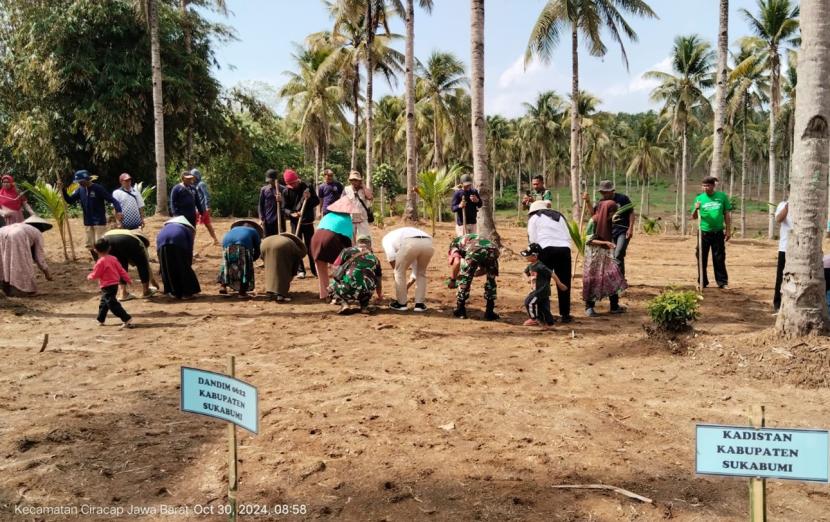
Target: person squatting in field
471 256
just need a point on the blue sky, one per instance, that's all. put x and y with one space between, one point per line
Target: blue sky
267 28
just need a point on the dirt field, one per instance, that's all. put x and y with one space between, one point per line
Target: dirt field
401 416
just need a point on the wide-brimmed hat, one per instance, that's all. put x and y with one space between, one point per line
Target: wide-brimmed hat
38 222
606 186
83 175
355 175
538 205
297 241
144 239
181 220
342 206
245 222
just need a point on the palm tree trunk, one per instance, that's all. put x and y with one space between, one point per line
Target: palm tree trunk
744 165
437 161
188 49
683 177
676 191
642 211
411 211
648 195
158 108
773 115
803 308
356 108
720 91
518 193
575 122
486 223
370 70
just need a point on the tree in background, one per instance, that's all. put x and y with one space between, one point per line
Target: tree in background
720 90
439 77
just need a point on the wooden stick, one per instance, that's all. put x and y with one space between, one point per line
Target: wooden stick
300 218
45 342
604 487
700 271
66 222
232 476
279 207
758 486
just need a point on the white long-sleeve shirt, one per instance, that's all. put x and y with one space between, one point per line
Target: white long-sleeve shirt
548 233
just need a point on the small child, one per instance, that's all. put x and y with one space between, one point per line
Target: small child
110 273
538 301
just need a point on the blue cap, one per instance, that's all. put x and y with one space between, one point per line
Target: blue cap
81 175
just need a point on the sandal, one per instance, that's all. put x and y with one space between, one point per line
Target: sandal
128 297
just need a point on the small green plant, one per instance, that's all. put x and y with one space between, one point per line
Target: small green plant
147 197
674 309
651 226
577 236
435 185
50 199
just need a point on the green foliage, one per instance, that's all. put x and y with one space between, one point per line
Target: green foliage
579 237
674 309
385 176
435 185
651 226
147 196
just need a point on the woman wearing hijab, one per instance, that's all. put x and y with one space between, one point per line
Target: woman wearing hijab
240 248
21 247
333 234
12 202
601 276
283 254
129 247
175 252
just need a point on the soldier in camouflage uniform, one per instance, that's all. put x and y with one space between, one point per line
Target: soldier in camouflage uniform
356 275
471 256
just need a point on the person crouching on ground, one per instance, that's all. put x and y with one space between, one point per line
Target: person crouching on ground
471 256
356 275
109 273
539 275
240 248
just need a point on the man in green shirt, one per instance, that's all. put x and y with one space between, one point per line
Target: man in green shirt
713 208
538 191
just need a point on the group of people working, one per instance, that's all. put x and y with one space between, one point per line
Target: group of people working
339 249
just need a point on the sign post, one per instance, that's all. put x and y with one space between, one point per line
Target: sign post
758 453
227 398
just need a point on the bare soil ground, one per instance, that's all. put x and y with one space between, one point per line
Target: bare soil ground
402 416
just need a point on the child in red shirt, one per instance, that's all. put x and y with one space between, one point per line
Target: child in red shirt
109 273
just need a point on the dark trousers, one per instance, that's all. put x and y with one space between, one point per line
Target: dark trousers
306 233
619 251
270 228
779 278
538 308
558 259
109 303
713 241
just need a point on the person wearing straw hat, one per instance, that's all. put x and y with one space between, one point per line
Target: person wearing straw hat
132 204
361 199
299 207
240 248
21 247
183 199
465 204
92 198
270 199
282 253
549 229
356 276
333 235
174 245
12 202
129 247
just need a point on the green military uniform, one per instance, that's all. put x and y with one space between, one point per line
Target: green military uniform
544 195
356 276
476 254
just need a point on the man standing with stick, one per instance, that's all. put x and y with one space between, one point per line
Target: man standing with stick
92 198
714 209
465 204
269 210
299 204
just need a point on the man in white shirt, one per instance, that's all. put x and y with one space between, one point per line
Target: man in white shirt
132 204
361 200
409 247
549 229
782 217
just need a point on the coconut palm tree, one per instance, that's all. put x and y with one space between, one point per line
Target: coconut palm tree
158 107
315 100
545 116
748 83
498 139
803 309
647 156
439 77
388 118
720 90
774 27
588 17
682 94
411 211
481 174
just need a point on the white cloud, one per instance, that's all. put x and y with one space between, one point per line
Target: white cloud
640 83
517 84
518 74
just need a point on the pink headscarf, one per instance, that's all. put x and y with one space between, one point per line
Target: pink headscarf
9 198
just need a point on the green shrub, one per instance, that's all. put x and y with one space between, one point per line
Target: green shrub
674 309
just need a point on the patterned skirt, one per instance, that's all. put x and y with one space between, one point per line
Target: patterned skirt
237 269
601 276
